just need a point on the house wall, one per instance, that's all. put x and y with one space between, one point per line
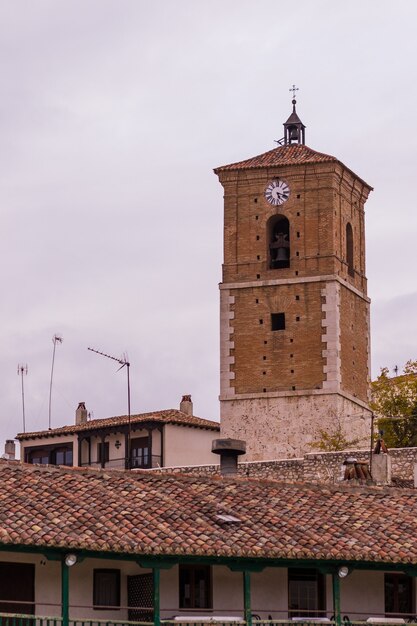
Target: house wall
48 441
192 445
362 592
117 455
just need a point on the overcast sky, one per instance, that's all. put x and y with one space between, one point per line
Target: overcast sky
113 114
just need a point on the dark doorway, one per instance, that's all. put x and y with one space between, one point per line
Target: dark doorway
140 597
398 591
140 454
17 588
306 593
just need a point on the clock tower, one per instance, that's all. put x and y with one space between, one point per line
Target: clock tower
294 308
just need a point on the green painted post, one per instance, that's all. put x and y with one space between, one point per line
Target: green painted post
156 597
64 593
246 598
336 598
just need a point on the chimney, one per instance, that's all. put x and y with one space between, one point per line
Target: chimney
381 468
356 470
81 414
10 450
186 405
229 450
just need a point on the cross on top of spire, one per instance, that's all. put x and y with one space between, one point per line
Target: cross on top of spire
293 89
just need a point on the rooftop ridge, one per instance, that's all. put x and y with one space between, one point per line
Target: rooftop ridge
166 416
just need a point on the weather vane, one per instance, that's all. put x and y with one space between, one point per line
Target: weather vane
293 89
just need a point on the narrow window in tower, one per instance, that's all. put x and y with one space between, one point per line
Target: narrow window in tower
277 321
278 236
349 249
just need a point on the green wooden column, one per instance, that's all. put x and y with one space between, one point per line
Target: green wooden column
336 598
246 598
64 592
156 597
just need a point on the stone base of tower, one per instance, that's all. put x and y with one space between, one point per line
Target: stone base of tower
287 426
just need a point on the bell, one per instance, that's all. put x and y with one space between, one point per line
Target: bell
294 133
281 254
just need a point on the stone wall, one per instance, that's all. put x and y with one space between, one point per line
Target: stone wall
323 467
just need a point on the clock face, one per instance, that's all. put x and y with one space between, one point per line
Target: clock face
277 192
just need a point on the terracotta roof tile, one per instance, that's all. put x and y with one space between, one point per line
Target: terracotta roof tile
283 155
169 416
145 513
293 154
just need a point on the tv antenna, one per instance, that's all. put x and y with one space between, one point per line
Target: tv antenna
55 339
124 362
22 371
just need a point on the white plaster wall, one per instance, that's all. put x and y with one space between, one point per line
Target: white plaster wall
269 592
227 592
169 593
362 592
184 445
362 595
286 426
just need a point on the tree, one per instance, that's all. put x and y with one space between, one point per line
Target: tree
394 401
334 440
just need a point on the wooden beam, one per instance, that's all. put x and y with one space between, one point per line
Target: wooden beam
156 596
64 592
336 598
247 598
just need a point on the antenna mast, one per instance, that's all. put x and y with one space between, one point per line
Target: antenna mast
124 362
22 370
55 339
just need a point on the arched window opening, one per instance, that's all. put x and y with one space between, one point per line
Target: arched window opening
349 249
279 242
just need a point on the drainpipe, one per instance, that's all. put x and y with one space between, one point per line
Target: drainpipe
64 592
336 598
246 598
156 597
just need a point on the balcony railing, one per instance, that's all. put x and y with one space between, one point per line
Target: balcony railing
13 619
120 463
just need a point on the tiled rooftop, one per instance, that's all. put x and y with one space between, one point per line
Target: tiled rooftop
143 513
293 154
169 416
283 155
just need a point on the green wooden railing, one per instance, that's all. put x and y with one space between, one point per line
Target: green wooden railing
15 619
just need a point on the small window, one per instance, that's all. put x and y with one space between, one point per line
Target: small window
103 452
62 456
277 321
106 588
53 455
195 586
40 457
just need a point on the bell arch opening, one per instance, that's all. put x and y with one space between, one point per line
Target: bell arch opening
349 249
278 237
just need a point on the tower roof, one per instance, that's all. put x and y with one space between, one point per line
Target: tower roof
294 119
290 154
